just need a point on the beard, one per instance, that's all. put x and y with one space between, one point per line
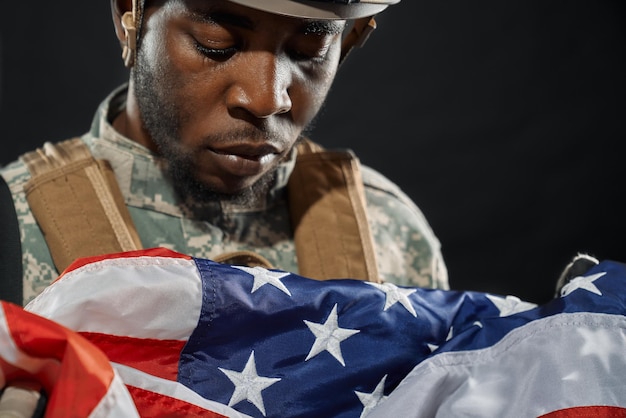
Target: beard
162 120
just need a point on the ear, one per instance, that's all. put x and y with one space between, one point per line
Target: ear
121 11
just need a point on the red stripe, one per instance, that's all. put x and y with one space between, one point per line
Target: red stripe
588 412
156 357
150 252
150 404
76 367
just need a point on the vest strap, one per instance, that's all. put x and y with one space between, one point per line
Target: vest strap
77 203
327 205
81 211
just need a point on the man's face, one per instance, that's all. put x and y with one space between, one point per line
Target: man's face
224 91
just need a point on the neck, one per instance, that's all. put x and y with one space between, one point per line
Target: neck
128 123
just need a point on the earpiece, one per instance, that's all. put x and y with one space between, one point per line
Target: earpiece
130 32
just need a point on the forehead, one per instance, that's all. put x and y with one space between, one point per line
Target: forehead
227 12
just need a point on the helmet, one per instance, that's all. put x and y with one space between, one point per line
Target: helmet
360 11
320 9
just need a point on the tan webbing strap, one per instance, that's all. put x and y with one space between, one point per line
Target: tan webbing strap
327 204
77 203
81 210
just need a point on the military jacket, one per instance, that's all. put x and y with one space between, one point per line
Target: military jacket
408 252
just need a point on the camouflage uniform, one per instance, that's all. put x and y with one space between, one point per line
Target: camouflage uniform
408 251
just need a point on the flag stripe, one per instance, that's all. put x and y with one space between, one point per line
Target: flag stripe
152 405
150 252
172 285
575 349
12 354
117 402
588 412
157 357
151 394
67 365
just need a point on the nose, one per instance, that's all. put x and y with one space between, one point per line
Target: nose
261 85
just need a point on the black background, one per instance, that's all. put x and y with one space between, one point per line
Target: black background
503 120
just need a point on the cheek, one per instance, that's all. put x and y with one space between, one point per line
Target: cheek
192 90
314 85
306 100
317 81
312 93
183 67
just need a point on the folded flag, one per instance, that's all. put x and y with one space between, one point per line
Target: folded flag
77 377
191 337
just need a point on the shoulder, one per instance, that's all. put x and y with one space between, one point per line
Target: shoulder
383 192
15 174
408 250
38 268
374 180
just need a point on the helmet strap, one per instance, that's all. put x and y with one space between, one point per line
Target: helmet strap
361 30
131 22
130 33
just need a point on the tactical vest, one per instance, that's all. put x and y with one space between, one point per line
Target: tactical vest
81 211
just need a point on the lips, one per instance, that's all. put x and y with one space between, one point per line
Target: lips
244 160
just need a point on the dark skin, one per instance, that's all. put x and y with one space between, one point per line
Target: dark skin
222 91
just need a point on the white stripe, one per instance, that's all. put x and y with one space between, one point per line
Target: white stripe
175 390
117 402
562 361
141 297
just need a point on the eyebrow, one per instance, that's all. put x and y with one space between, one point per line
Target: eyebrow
324 27
213 17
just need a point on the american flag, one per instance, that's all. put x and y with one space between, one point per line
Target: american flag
190 337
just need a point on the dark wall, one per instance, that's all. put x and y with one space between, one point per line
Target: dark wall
502 120
59 60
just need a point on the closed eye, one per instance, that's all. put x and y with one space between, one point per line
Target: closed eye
216 54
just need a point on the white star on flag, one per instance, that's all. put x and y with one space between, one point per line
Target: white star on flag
510 305
395 294
593 339
583 282
370 400
264 276
248 384
328 336
433 347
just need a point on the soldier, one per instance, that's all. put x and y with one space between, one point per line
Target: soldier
197 153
